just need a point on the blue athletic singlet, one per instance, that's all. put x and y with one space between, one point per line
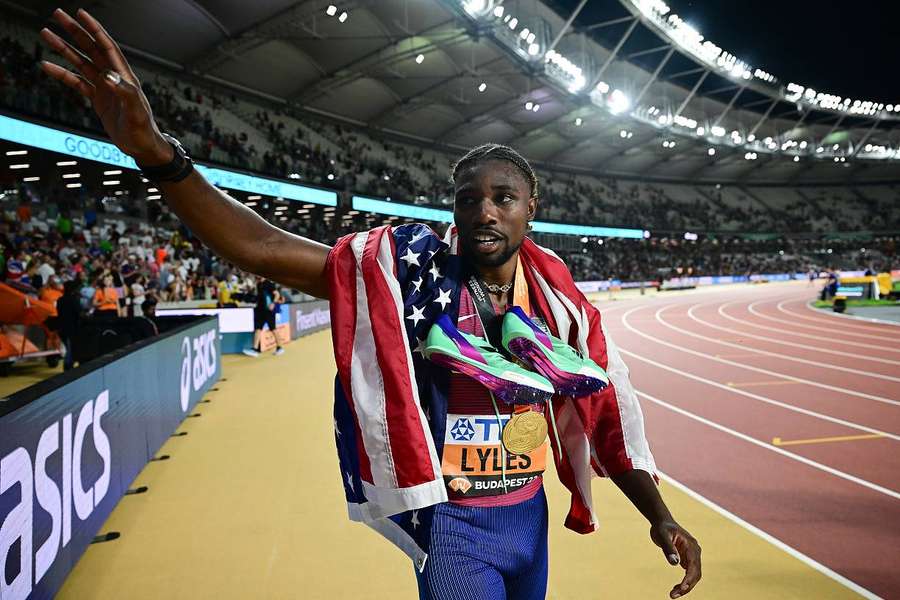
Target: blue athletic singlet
487 553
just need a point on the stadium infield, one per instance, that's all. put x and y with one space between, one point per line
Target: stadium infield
774 425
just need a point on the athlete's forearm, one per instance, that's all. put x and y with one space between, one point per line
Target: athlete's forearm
639 487
239 235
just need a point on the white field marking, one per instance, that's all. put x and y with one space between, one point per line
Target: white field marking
767 353
858 331
794 322
787 453
782 330
783 342
756 396
769 538
854 317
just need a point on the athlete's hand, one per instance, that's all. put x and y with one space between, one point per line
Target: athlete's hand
104 77
679 547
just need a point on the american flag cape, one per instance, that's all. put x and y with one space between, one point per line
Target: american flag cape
387 286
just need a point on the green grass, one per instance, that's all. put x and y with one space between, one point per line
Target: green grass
851 303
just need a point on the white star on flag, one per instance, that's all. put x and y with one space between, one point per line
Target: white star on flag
411 258
418 314
420 346
435 272
349 480
418 283
443 298
336 430
415 519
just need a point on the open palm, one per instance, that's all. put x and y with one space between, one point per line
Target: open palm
107 80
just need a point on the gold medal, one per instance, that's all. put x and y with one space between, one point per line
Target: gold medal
524 432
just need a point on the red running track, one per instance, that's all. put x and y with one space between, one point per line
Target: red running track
722 374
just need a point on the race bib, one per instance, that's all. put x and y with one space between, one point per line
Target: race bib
474 459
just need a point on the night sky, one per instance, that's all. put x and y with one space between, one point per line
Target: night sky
845 48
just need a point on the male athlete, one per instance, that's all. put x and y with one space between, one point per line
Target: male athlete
402 422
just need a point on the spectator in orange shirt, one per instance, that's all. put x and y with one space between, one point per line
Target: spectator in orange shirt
106 299
52 291
24 211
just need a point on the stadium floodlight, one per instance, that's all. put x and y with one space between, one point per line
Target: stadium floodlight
331 177
529 105
67 163
482 87
750 156
803 145
578 122
796 159
836 146
534 49
717 130
113 172
294 176
343 17
751 138
31 179
475 6
711 151
71 175
498 11
420 59
513 23
524 34
152 190
16 152
820 149
331 10
701 131
112 182
536 108
618 102
73 185
531 37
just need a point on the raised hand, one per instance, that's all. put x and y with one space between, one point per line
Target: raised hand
104 77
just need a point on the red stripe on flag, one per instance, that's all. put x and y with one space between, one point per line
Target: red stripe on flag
341 269
409 445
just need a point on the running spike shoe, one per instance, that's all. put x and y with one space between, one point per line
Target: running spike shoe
475 357
570 373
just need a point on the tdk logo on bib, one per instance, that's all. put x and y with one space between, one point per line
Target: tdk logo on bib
474 429
462 431
197 369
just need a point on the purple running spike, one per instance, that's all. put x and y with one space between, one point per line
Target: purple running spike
538 332
464 346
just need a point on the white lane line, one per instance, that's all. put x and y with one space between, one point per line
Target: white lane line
767 353
802 459
769 538
786 343
795 323
783 330
827 321
744 392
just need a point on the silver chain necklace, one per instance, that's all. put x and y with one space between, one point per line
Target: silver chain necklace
498 289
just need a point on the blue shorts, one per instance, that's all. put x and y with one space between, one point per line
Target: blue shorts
487 553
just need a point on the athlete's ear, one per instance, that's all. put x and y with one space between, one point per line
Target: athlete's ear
532 207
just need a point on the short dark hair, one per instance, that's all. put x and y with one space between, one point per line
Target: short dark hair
487 152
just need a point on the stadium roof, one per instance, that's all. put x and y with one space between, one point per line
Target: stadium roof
454 73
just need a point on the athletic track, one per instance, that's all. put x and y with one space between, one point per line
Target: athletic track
786 416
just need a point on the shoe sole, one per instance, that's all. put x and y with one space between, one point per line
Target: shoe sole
509 392
565 383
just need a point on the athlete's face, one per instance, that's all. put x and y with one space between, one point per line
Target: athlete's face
492 208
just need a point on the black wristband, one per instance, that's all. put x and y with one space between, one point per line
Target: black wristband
175 170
